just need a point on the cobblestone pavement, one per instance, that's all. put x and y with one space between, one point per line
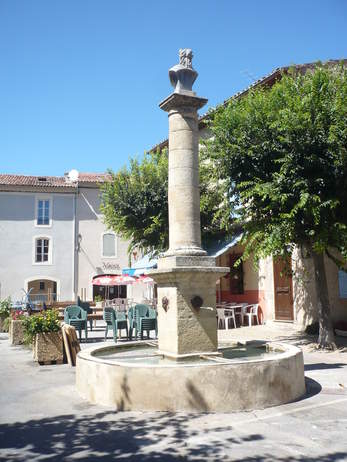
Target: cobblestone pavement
42 418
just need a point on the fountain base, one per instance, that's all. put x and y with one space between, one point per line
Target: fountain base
137 377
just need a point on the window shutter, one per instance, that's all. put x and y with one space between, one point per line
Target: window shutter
109 245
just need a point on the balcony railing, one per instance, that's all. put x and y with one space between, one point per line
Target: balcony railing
43 298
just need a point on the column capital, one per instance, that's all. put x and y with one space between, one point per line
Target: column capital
180 100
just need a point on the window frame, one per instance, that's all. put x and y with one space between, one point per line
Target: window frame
50 250
115 245
39 198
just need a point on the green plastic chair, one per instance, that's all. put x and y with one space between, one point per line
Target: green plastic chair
134 316
77 317
86 307
149 323
117 320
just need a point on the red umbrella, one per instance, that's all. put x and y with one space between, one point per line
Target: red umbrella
112 280
125 279
105 280
115 280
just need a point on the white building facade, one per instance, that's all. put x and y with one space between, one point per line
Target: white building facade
52 237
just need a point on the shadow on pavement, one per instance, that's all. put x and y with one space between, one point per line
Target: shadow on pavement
160 437
105 436
322 366
312 388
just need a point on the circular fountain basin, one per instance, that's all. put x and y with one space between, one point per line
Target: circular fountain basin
242 377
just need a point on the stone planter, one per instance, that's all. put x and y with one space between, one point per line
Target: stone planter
48 348
16 332
99 304
2 328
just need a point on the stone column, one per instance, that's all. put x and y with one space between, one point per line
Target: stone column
184 193
186 277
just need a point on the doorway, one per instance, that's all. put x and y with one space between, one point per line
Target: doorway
283 287
43 290
111 291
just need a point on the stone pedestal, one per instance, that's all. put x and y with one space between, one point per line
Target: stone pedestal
187 323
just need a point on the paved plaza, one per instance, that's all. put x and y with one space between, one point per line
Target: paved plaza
43 419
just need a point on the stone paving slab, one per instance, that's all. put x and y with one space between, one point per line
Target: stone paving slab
42 418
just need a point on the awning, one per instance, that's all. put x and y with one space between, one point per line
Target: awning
141 266
221 248
146 263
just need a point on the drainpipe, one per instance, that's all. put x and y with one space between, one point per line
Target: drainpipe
74 246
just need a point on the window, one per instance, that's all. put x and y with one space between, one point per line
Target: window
108 245
43 211
342 284
42 285
42 251
236 275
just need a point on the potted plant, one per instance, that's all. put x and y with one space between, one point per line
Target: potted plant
16 328
98 301
43 332
5 311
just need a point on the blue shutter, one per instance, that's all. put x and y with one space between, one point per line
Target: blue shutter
342 284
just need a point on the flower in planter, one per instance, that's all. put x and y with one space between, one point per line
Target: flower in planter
43 332
44 322
18 315
5 311
5 308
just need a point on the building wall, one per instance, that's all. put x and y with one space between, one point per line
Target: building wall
17 236
259 287
258 283
266 288
253 293
90 229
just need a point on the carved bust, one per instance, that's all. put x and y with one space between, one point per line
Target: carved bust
182 76
186 57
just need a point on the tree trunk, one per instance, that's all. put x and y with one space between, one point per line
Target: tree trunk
326 337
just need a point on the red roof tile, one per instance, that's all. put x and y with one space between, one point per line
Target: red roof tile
39 181
93 177
52 181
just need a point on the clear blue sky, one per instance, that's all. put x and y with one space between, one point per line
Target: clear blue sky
80 80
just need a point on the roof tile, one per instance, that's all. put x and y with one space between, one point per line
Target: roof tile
59 182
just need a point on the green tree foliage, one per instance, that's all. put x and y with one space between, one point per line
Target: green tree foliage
134 202
281 153
135 205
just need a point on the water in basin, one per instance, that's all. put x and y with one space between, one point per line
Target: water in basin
148 354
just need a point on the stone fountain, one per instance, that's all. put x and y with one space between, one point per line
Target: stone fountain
186 371
186 276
